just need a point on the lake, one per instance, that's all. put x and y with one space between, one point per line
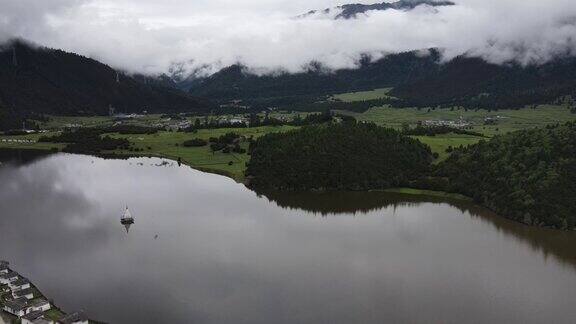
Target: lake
205 249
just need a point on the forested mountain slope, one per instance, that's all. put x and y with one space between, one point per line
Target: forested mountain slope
42 80
418 80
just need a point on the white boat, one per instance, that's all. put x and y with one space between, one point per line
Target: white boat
127 217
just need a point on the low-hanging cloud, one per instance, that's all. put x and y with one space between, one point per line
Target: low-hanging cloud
153 36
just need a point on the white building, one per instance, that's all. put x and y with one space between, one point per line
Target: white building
40 305
19 284
18 307
8 277
27 293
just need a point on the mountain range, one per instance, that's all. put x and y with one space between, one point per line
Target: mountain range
39 80
350 11
417 80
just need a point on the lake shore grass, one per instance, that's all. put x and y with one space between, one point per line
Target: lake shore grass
428 193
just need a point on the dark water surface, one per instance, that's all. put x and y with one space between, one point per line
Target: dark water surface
207 250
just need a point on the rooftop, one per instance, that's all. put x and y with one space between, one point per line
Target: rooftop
17 304
8 275
20 282
33 315
23 292
72 318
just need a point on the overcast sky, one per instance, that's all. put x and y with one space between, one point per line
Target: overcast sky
204 35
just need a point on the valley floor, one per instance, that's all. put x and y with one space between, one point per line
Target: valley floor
169 144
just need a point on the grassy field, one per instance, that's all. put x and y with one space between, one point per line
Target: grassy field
439 143
363 95
507 120
420 192
169 144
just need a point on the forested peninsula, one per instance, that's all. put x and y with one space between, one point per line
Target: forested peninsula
528 176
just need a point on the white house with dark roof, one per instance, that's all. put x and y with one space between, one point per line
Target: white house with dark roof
74 318
35 317
18 307
8 277
19 284
40 305
27 293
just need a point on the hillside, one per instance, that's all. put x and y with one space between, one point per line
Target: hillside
236 82
43 80
418 81
474 83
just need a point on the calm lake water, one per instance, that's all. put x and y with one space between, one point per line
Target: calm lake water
205 249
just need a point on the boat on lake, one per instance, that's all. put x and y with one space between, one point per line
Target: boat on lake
127 218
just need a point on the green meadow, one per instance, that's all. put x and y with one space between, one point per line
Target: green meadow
506 120
169 144
363 95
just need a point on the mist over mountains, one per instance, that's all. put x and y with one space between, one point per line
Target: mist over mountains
349 11
417 80
201 38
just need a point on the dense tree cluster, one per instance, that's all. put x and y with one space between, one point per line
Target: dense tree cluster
87 141
227 143
528 176
195 142
337 156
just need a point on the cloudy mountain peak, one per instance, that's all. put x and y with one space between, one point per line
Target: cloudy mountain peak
351 11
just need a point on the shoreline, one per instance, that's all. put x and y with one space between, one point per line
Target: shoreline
30 302
242 179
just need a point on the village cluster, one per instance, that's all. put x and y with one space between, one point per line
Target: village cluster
20 141
21 299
